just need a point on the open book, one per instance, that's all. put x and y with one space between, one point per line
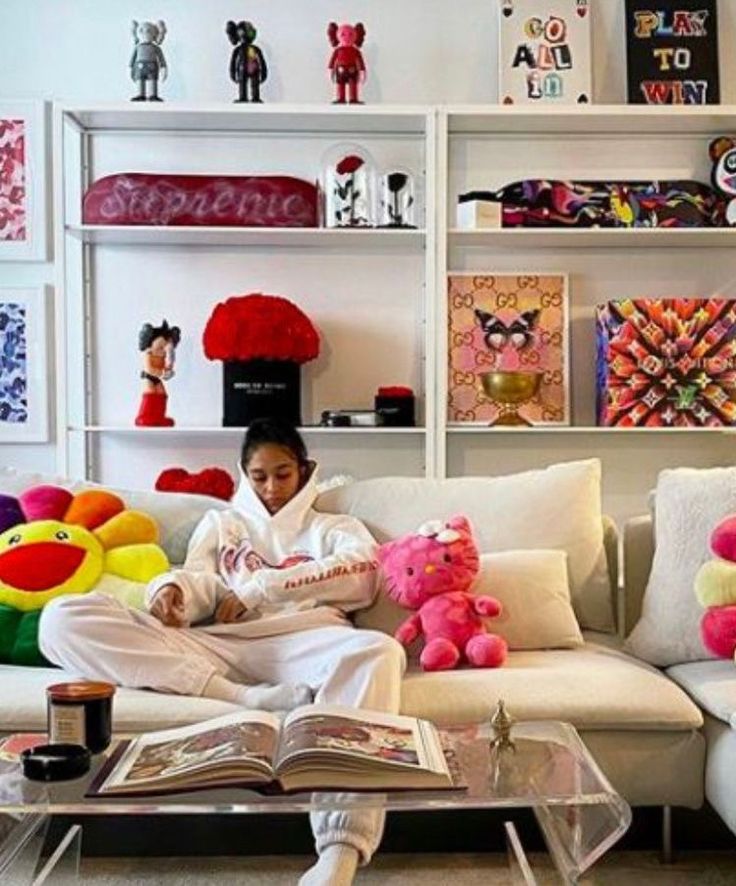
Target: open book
316 747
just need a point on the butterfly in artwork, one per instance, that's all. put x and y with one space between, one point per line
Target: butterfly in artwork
519 333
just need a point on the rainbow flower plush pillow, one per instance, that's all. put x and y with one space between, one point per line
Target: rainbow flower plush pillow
715 588
54 543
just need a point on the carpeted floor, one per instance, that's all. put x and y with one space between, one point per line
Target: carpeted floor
629 868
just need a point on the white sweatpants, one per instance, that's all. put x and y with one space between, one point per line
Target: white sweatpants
100 638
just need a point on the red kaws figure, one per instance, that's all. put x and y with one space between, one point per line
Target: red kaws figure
158 344
347 67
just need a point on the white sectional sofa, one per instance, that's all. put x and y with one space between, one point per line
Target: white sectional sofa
710 684
645 731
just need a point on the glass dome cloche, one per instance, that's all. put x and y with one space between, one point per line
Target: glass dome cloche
348 181
398 198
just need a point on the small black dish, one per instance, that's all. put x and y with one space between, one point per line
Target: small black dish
55 762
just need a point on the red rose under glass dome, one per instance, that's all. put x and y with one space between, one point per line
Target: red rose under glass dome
260 327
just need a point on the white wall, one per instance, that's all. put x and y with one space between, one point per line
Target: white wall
418 51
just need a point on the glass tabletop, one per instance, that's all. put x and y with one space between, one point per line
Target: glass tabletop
548 769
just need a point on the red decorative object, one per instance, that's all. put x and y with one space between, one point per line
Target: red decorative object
260 327
395 391
136 198
262 340
215 482
348 165
395 405
346 66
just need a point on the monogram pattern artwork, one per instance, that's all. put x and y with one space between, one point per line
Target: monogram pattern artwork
667 362
508 323
13 208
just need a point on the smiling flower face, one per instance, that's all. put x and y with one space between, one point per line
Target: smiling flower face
41 560
55 543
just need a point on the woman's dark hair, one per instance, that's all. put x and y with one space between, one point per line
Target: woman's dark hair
273 431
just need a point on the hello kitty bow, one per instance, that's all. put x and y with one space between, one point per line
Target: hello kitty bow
436 529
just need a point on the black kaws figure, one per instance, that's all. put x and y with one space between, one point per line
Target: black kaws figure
247 64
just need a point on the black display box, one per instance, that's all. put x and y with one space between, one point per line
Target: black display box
260 389
397 412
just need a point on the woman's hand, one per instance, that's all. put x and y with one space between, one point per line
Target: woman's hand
168 607
230 609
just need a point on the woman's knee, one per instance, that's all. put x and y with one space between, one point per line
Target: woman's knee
65 619
384 647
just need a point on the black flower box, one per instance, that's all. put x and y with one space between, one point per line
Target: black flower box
260 389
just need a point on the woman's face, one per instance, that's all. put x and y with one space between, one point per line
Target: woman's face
274 474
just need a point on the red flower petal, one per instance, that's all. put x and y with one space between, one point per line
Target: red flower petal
260 327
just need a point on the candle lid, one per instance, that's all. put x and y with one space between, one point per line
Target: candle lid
80 691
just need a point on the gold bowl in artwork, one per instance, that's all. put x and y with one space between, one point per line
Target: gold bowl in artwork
510 389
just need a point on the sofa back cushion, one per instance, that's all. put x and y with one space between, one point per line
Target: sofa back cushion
175 513
556 508
689 503
532 587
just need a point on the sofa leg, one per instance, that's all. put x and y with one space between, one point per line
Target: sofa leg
666 857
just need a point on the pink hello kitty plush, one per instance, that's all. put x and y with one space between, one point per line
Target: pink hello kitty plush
431 571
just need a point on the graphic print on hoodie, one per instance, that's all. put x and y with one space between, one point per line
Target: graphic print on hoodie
293 570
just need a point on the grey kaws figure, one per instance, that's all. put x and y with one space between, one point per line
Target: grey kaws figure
147 62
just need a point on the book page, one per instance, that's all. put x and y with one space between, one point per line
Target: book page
172 755
383 740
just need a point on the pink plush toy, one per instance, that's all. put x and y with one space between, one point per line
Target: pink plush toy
715 588
431 571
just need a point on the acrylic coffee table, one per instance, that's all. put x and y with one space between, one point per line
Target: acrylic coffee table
549 770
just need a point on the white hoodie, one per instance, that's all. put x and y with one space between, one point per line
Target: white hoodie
293 570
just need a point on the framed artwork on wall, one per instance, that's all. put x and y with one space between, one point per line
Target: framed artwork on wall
672 52
508 349
23 220
544 52
24 382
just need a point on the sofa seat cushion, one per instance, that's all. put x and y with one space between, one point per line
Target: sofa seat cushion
712 684
23 703
592 687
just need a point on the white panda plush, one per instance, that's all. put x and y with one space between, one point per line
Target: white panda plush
723 155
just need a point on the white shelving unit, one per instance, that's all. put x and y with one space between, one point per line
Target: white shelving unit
378 296
279 238
485 147
370 292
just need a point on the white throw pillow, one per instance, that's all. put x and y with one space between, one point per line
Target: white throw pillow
689 504
177 514
557 508
532 587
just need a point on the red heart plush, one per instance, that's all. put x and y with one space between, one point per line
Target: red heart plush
209 481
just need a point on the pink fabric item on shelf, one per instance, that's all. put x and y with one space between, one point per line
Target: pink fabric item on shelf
137 198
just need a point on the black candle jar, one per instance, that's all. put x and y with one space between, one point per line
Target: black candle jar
80 713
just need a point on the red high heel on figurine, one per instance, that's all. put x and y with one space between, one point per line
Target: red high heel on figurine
346 66
158 344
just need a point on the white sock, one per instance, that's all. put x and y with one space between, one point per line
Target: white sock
263 697
336 866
